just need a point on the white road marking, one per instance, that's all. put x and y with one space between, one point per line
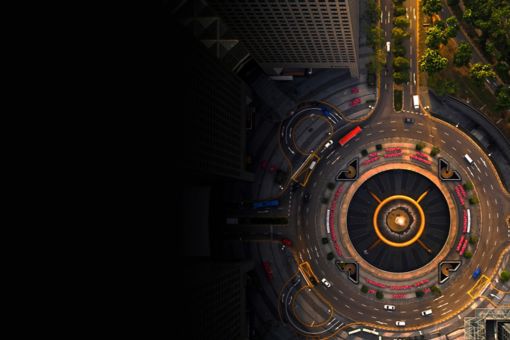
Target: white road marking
448 311
393 121
369 134
431 136
458 141
442 141
347 306
446 133
444 304
454 149
418 131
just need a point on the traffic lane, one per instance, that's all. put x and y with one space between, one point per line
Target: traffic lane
445 303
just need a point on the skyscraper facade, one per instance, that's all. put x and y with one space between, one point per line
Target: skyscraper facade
295 34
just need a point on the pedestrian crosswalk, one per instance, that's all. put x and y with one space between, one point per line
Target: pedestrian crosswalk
413 112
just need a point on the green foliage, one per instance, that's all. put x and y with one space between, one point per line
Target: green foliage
453 2
473 239
399 10
400 77
398 34
374 12
468 186
468 254
420 146
325 240
468 15
381 57
375 37
397 100
503 98
474 200
435 37
435 150
480 72
432 62
505 276
431 6
401 63
401 22
463 54
379 295
364 289
398 50
419 293
436 290
452 27
502 69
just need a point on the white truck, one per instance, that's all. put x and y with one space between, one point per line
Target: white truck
416 102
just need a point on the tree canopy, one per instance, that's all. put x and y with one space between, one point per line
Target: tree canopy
463 54
432 62
431 6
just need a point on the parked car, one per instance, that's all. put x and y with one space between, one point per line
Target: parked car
354 90
355 101
389 307
326 282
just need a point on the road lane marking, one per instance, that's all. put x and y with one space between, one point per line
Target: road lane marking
448 311
393 130
442 296
418 131
431 136
381 131
444 304
458 141
334 297
446 133
369 134
454 149
347 306
393 121
442 141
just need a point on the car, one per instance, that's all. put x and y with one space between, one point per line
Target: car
400 323
326 282
477 272
328 144
355 101
389 307
354 90
388 46
427 312
409 120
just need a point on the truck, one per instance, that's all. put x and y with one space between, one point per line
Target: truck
416 102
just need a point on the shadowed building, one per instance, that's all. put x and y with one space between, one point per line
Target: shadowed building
295 34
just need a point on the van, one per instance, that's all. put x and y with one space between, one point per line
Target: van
416 102
427 312
400 323
468 159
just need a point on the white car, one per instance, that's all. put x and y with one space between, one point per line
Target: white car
389 307
326 283
400 323
427 312
328 144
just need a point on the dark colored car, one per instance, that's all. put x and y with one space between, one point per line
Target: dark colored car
409 120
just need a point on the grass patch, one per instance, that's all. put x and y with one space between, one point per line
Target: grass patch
397 100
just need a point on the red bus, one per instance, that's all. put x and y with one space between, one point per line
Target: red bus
350 135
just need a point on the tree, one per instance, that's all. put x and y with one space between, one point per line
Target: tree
432 62
401 63
474 200
364 289
468 16
503 98
400 77
399 10
453 3
435 150
398 34
463 54
480 72
419 293
436 290
330 256
379 295
325 240
398 50
420 146
468 254
505 276
375 38
468 186
431 6
381 57
435 37
401 22
452 27
473 239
